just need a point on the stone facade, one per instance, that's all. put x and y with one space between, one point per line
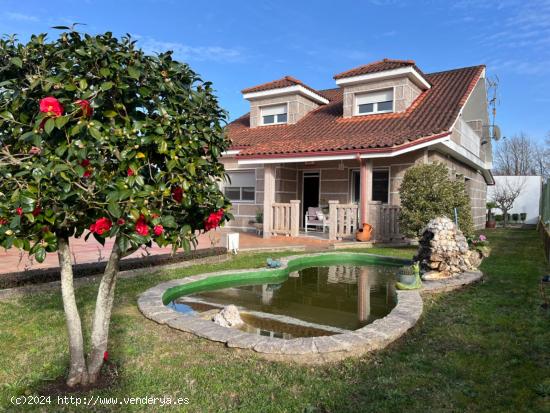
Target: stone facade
404 93
297 105
336 182
475 185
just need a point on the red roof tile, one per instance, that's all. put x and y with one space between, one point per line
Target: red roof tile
278 84
325 130
380 66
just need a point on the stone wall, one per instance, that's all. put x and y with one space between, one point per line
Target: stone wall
475 185
404 93
298 106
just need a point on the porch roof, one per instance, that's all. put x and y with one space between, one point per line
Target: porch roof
324 130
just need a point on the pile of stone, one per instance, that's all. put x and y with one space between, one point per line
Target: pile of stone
443 250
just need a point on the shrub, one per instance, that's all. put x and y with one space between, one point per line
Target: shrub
426 193
515 217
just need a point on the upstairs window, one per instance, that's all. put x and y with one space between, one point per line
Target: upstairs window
380 101
274 115
241 186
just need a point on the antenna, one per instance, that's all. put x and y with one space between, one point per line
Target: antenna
492 101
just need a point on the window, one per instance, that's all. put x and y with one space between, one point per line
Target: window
380 185
273 115
241 186
380 101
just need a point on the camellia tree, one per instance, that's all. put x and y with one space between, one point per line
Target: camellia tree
97 138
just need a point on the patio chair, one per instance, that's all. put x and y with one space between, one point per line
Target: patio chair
315 217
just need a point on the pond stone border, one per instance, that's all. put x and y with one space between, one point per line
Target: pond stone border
373 336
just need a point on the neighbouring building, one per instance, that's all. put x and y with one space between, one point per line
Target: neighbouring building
528 200
345 150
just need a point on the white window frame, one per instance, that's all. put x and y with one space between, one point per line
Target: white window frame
375 111
262 108
230 185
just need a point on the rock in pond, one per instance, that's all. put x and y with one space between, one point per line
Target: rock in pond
228 317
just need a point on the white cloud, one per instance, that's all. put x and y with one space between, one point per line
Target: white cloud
21 17
190 53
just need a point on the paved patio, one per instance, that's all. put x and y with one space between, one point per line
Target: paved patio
14 260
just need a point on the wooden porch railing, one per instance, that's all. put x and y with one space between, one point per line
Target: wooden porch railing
343 220
285 218
385 221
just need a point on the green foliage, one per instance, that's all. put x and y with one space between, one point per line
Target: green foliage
153 127
426 193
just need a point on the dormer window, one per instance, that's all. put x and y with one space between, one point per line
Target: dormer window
380 101
274 115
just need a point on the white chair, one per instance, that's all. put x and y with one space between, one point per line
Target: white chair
315 217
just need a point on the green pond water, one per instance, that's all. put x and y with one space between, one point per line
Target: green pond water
345 296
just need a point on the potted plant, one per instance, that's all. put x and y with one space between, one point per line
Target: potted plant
259 224
491 222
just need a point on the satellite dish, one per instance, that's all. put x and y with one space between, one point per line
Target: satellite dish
496 133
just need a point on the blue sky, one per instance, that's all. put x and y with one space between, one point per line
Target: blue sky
240 44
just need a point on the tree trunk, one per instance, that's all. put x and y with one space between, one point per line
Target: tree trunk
102 316
505 213
78 373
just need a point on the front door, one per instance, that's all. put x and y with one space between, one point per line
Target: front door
311 191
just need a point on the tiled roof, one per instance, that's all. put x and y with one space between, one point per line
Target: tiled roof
278 84
325 130
380 66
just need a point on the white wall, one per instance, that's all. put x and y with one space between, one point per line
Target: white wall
528 200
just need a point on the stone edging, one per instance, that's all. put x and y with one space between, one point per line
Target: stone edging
452 283
373 336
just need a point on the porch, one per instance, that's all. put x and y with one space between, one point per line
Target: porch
343 193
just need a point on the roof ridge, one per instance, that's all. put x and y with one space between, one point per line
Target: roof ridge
456 69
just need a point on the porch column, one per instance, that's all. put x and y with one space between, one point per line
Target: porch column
366 190
333 220
294 217
269 198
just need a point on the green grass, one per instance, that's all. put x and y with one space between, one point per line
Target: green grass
484 348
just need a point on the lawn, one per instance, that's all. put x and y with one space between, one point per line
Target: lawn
484 348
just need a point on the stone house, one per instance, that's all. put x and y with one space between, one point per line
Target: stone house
346 149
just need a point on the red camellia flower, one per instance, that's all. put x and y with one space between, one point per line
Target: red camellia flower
101 226
51 106
85 163
87 110
105 356
141 226
37 210
19 211
3 221
87 173
213 220
177 194
158 230
130 172
120 221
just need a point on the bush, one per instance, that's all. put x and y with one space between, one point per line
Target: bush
426 193
499 218
515 217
